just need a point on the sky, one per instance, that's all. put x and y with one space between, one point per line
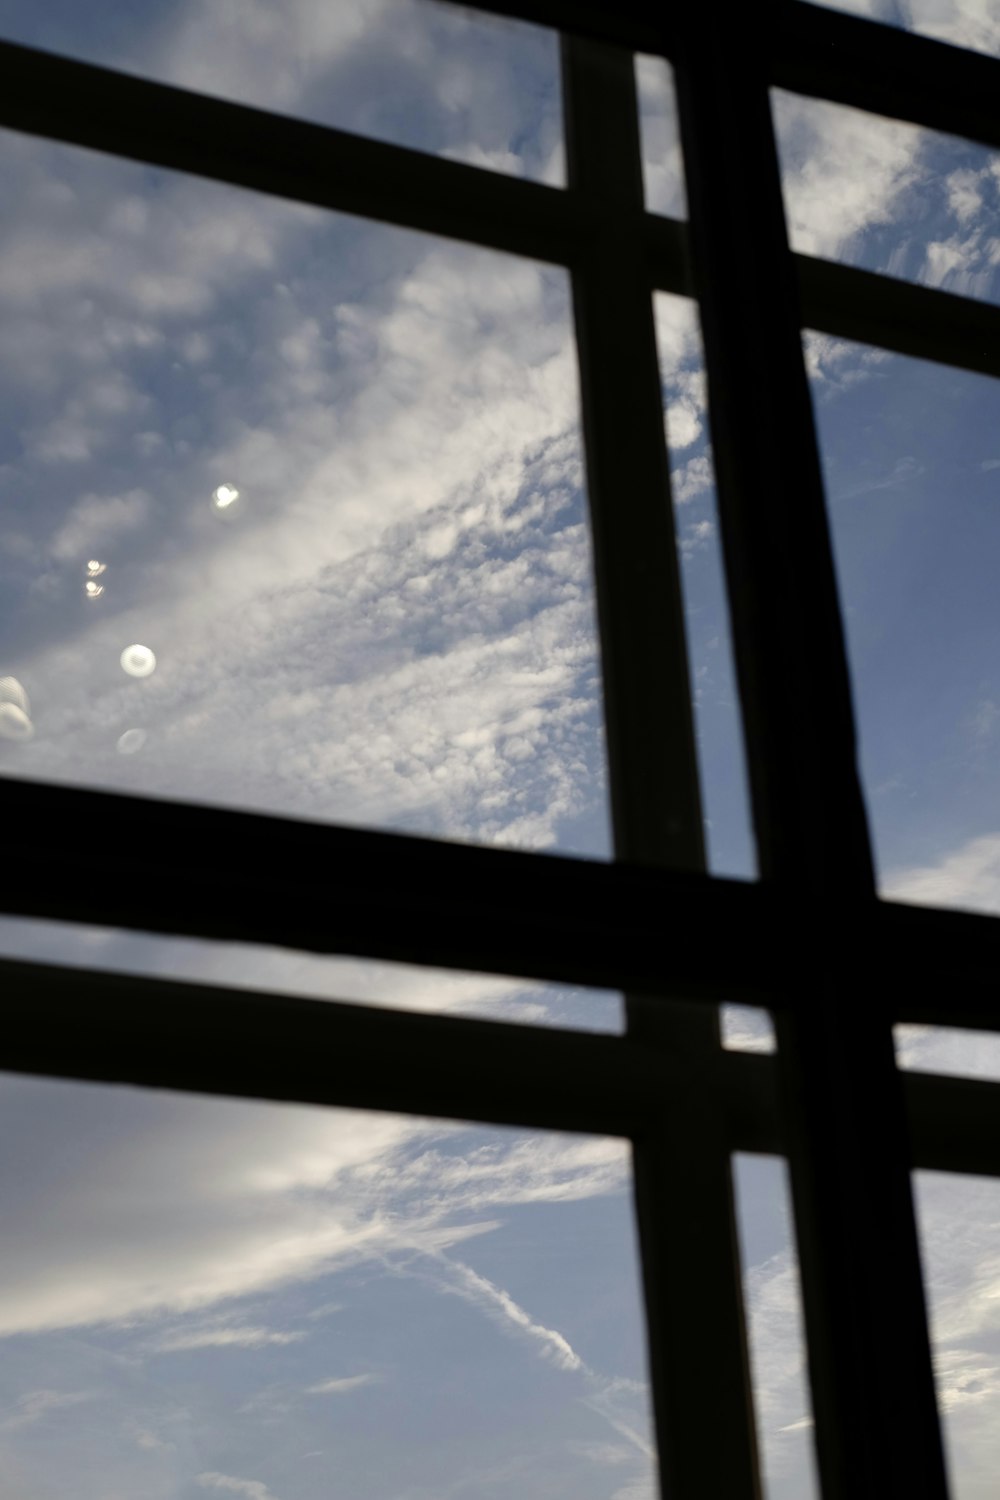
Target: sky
328 476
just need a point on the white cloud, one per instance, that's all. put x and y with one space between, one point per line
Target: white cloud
967 878
339 1384
693 479
36 1405
662 165
843 171
466 1282
965 197
222 1336
963 23
186 1206
252 1488
95 520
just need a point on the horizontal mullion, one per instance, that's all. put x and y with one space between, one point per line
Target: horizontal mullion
161 1033
215 873
954 1123
870 308
884 70
918 321
943 967
157 1033
135 862
161 125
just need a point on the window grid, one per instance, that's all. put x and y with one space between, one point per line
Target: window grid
811 941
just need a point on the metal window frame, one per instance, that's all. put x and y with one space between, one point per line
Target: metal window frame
836 966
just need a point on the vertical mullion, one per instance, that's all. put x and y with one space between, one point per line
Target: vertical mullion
869 1359
683 1183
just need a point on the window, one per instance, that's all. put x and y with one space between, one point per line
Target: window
810 941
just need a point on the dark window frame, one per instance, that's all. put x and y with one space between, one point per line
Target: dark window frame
810 940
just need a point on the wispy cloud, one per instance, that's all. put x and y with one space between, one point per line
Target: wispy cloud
222 1337
35 1405
465 1282
252 1488
339 1384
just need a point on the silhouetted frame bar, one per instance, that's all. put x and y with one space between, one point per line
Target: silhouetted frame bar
876 1429
683 1187
883 69
158 1033
245 877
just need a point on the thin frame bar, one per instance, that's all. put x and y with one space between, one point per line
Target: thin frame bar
694 1344
876 1432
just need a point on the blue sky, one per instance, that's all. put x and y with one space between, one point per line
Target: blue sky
394 625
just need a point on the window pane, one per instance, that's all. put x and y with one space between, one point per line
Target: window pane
912 468
662 165
204 1297
434 77
292 512
777 1341
359 981
716 706
948 1049
957 1218
747 1028
962 23
889 197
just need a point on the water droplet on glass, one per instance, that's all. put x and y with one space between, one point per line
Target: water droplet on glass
14 723
93 590
138 661
95 568
11 691
225 496
131 741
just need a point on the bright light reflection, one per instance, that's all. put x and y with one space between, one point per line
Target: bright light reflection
138 661
131 741
14 723
93 590
95 568
11 691
225 496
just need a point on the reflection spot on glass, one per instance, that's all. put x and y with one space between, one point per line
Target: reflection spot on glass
225 496
93 590
131 741
11 691
14 723
138 661
94 568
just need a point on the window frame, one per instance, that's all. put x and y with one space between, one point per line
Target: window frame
810 940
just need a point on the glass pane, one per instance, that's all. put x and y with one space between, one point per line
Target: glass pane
434 77
359 981
777 1341
716 707
962 23
947 1049
957 1217
206 1297
292 512
662 164
889 197
912 465
747 1028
